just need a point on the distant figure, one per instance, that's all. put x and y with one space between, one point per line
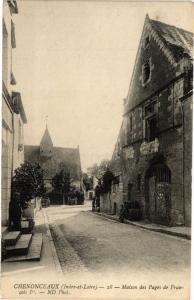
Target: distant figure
98 204
48 202
93 203
122 213
125 210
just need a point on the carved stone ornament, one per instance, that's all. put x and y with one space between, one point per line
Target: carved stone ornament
129 152
151 147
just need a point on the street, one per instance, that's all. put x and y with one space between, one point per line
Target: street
103 246
104 257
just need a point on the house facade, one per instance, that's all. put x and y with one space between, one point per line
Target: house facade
13 114
54 159
154 147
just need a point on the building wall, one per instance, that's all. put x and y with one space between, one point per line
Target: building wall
111 202
135 162
11 156
187 108
18 151
7 113
166 150
105 203
170 153
46 150
7 47
6 159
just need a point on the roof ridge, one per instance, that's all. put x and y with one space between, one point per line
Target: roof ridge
25 145
173 36
173 26
69 148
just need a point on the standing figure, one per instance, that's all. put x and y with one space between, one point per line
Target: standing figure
93 203
122 214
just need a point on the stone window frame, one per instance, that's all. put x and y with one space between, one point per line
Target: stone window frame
150 115
151 129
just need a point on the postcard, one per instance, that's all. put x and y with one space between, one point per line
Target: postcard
96 149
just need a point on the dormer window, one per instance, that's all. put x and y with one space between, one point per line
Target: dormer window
147 68
146 72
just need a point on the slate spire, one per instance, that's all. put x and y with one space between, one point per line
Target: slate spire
46 139
46 144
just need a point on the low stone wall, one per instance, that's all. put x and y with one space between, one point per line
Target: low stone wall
111 202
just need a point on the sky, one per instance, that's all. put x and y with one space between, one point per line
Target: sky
73 63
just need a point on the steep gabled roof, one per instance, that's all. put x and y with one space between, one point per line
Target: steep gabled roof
177 40
173 42
62 158
46 139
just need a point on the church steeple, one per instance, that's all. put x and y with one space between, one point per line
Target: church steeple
46 144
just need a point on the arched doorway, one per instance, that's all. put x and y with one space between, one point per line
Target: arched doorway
158 193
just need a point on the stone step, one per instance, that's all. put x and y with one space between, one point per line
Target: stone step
11 238
34 252
27 226
21 247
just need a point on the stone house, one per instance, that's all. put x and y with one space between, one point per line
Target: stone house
13 114
154 147
54 159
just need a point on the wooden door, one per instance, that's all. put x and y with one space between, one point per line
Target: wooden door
159 194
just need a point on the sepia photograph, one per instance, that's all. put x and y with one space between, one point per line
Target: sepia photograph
96 153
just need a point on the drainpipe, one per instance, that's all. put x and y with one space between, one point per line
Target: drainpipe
183 158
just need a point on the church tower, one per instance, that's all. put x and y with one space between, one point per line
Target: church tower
46 145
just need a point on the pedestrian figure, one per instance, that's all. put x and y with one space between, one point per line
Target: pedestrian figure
93 204
98 204
125 210
122 213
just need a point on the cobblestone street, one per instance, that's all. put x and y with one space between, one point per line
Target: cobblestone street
87 242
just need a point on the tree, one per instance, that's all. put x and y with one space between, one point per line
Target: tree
107 180
99 170
61 182
104 184
88 182
28 183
